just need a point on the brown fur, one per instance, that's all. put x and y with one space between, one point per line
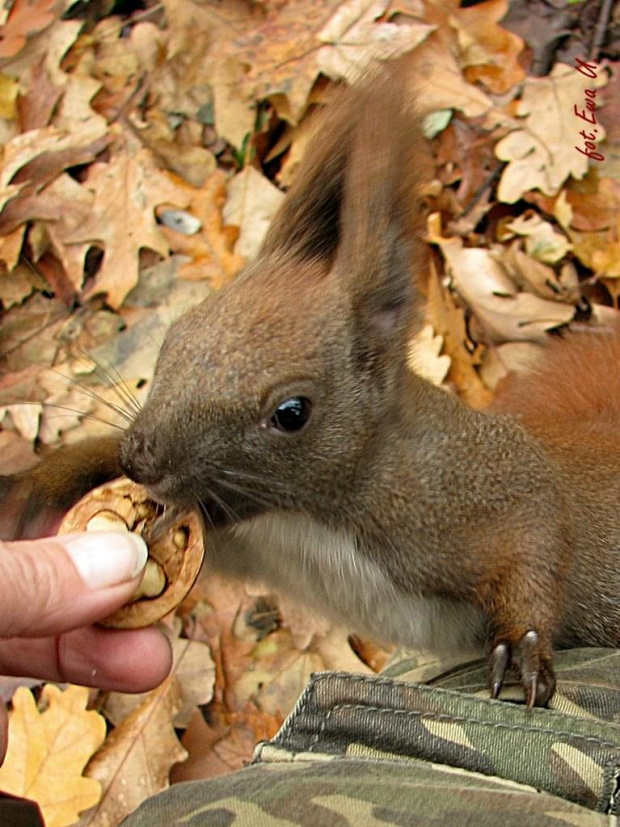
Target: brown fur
570 401
576 381
395 503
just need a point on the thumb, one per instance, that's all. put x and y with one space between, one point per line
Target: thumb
60 583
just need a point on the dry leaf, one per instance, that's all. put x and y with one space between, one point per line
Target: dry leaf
135 761
211 250
297 140
234 113
9 89
542 242
220 604
281 54
589 212
357 37
18 386
16 454
26 419
286 53
252 203
195 673
48 751
193 163
14 288
508 358
489 52
303 624
337 653
36 105
64 410
437 82
539 278
505 314
11 247
25 20
28 332
541 154
36 158
424 356
225 744
62 205
595 227
276 673
449 321
126 191
192 63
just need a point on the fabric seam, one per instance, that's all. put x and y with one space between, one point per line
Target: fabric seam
444 716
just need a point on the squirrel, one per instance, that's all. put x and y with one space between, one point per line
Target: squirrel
283 407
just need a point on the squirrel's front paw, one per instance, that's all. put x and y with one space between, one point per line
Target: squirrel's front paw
533 664
23 514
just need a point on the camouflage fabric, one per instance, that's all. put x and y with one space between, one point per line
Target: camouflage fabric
390 749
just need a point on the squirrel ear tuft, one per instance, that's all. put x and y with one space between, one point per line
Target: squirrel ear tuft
380 247
355 202
308 223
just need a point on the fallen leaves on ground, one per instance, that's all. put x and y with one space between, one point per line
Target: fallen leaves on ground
49 746
541 154
142 156
136 759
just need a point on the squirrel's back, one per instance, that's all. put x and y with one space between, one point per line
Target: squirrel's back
570 401
577 381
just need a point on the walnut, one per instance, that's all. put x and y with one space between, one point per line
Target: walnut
174 539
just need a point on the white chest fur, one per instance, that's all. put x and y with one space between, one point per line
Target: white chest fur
324 570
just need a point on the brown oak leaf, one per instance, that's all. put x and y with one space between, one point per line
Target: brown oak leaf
25 20
135 761
126 191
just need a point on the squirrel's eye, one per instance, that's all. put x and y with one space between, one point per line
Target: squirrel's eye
292 414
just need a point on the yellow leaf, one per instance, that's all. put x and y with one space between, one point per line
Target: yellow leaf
48 751
9 89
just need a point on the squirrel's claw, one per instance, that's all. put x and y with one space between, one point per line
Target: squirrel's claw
498 663
534 668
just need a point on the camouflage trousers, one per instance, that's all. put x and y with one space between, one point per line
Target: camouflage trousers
415 747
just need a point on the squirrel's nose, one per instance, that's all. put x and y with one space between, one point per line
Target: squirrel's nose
137 457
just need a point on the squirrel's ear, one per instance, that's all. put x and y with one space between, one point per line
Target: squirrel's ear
308 223
380 247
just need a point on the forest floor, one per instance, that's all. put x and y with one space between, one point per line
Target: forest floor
145 148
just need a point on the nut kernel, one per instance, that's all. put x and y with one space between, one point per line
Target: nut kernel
106 521
153 582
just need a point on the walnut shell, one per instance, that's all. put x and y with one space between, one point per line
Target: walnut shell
174 539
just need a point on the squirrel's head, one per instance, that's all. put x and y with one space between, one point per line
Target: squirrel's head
272 392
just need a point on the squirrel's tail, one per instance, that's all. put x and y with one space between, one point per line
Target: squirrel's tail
576 381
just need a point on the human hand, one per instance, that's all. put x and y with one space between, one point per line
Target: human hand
51 593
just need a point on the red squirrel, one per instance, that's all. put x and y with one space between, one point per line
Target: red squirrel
284 408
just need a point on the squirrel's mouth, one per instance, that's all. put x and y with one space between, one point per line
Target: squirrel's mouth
217 507
220 508
223 497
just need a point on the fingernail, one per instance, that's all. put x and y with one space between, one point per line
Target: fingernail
107 559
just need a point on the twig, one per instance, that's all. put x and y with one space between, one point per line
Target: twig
600 30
